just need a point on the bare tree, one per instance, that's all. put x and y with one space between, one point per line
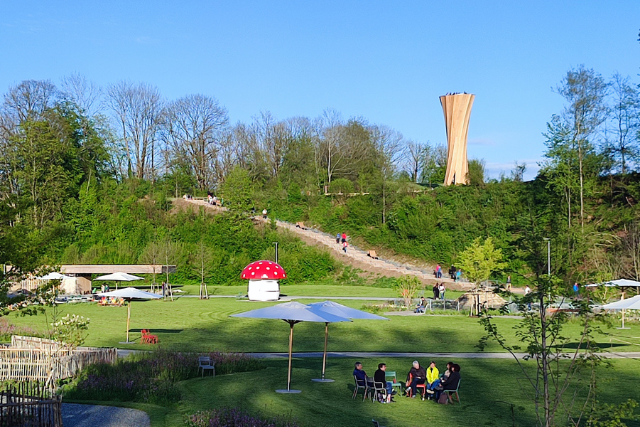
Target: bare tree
83 93
137 108
193 127
625 122
415 154
28 100
388 144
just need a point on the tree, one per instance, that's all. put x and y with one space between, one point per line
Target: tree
415 156
237 190
193 128
563 382
480 260
622 141
137 109
407 286
585 92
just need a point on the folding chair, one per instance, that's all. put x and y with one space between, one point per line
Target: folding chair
206 364
450 392
360 384
378 387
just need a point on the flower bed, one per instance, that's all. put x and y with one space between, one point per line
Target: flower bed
233 417
150 377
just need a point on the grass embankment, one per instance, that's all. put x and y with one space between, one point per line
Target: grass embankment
193 324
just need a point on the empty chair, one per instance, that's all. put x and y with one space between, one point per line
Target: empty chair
206 364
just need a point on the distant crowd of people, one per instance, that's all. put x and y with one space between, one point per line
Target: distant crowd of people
434 383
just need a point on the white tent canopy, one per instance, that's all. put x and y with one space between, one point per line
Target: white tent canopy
621 283
129 294
625 304
54 276
118 277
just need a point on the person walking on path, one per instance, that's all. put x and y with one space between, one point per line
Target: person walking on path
436 291
442 290
509 283
264 213
438 271
458 275
576 289
527 291
338 238
344 246
344 237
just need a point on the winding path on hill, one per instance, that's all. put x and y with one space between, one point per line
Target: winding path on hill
354 256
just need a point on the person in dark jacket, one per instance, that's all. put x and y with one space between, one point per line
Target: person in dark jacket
380 377
452 272
417 375
436 291
451 382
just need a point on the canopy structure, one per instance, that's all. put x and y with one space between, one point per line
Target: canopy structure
292 313
336 309
623 284
54 276
118 277
624 304
129 294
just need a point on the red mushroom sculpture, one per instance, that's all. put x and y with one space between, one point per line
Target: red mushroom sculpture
263 279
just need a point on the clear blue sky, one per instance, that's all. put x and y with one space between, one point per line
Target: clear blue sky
385 61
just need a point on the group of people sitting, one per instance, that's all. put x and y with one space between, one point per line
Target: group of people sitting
212 200
111 301
435 384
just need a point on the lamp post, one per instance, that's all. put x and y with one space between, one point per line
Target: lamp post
548 240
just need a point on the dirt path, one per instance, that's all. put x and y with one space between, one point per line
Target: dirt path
354 256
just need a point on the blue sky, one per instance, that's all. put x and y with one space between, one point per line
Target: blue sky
384 61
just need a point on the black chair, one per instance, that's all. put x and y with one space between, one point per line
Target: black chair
360 384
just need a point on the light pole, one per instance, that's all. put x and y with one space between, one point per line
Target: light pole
548 240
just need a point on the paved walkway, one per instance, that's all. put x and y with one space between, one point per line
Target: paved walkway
379 355
77 415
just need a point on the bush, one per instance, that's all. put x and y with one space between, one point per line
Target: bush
233 417
151 377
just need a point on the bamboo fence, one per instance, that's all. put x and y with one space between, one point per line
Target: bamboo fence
37 359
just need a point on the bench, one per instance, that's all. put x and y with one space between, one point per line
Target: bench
372 254
300 225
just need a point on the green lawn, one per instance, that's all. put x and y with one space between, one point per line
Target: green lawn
488 387
190 323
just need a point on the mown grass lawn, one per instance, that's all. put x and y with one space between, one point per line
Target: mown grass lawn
193 324
488 389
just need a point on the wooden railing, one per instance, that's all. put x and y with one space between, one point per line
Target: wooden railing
29 404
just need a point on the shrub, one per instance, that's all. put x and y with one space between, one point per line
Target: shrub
233 417
151 377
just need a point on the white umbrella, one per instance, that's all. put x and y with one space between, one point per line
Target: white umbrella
292 313
620 283
54 276
625 304
342 311
118 277
129 294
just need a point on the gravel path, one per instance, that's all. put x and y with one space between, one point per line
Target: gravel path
76 415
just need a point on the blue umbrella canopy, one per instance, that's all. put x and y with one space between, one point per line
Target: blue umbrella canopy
292 313
343 311
336 309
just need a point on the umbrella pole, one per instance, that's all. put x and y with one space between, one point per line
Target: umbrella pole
290 351
128 317
324 356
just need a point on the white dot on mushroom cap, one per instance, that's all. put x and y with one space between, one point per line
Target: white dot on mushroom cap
275 273
253 273
268 268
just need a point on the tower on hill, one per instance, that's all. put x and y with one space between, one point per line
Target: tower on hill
457 111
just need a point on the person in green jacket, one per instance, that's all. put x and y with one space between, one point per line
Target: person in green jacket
433 377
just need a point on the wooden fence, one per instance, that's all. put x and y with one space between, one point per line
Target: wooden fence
29 404
37 359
